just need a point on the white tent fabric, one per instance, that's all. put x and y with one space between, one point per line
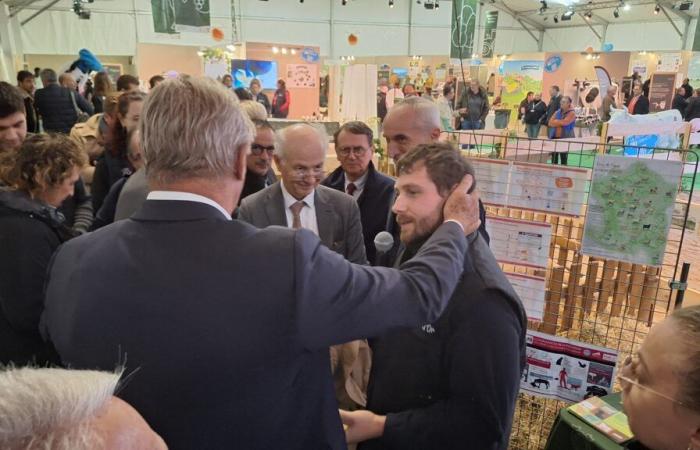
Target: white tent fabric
359 101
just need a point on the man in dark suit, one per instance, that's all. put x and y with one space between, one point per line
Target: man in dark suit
260 174
58 106
412 122
229 325
357 177
333 216
453 383
553 106
639 103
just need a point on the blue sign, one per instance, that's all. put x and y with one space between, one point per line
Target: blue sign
608 47
309 54
552 64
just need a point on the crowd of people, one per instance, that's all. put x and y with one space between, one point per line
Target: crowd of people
249 311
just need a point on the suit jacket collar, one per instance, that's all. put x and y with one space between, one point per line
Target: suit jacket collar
176 210
336 180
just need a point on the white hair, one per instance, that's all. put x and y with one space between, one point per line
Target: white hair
281 137
427 113
50 409
192 128
254 110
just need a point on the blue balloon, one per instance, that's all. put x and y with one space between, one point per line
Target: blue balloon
607 47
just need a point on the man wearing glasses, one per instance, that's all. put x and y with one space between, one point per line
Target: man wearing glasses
259 162
298 201
357 176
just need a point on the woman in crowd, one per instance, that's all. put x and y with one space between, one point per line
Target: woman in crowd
281 101
103 86
561 126
661 384
473 107
258 95
534 111
523 105
114 164
39 177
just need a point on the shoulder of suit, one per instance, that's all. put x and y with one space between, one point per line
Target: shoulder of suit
334 178
333 195
259 196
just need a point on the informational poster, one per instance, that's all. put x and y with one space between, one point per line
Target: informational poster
531 291
669 62
520 242
630 208
549 188
565 369
661 91
519 78
491 179
302 76
462 29
640 66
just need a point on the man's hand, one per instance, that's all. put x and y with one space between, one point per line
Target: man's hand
362 425
463 207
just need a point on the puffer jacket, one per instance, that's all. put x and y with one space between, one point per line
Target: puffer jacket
56 108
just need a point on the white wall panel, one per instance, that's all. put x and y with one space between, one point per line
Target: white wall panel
293 32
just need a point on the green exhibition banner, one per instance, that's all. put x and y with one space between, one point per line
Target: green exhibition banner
173 16
489 34
696 40
163 12
462 31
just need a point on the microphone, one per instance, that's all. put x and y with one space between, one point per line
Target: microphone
383 242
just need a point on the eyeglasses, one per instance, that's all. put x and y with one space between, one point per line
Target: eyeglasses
301 173
357 151
257 149
625 380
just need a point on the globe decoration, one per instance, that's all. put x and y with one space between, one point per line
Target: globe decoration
217 34
552 64
608 47
352 39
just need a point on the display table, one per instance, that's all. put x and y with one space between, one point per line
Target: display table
569 432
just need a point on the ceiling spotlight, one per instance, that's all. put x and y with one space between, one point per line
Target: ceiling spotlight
657 8
301 1
556 19
275 50
284 50
588 15
616 13
344 2
391 3
566 15
437 4
293 51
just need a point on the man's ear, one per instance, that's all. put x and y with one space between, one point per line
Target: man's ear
435 134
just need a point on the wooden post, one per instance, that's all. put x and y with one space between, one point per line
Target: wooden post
603 138
637 281
551 307
607 285
570 303
649 294
621 286
591 285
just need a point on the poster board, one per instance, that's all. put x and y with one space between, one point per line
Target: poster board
520 242
661 91
303 76
630 208
114 71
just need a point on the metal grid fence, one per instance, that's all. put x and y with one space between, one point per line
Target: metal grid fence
590 299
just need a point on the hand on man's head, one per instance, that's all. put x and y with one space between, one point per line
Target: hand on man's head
462 205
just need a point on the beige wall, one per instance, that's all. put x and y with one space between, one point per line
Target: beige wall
155 59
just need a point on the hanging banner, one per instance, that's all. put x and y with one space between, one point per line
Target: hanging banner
462 31
192 15
490 34
163 12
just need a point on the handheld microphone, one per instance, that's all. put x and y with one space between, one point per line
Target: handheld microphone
383 242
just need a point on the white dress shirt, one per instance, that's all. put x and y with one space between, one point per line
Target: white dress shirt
187 197
307 214
359 185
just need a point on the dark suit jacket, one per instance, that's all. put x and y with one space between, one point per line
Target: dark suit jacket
554 105
692 111
337 217
453 384
230 325
642 105
254 183
375 203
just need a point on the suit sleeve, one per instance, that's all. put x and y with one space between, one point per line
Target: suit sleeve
355 240
84 104
337 301
483 382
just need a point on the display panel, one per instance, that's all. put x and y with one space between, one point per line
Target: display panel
244 70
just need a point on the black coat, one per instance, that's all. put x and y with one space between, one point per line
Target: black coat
554 105
263 100
108 170
375 202
30 232
534 112
453 384
688 90
679 103
642 105
56 109
692 111
254 183
229 355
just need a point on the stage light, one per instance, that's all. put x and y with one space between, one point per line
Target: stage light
588 15
616 13
391 3
275 50
344 2
556 19
437 4
566 15
657 8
